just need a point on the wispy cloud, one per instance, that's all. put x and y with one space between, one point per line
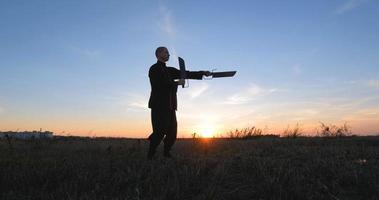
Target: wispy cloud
136 102
304 114
166 21
138 105
131 101
348 6
198 90
373 83
248 94
364 114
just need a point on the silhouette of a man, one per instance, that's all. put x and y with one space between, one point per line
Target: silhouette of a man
163 101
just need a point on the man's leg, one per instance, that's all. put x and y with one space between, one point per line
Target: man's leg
155 138
171 134
159 123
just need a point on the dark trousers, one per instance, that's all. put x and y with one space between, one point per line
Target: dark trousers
164 126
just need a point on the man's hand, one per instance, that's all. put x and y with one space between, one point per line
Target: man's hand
181 82
207 73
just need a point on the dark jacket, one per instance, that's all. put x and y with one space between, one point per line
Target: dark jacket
163 87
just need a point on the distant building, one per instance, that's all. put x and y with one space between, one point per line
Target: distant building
26 134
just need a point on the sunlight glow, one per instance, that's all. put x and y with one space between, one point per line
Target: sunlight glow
206 130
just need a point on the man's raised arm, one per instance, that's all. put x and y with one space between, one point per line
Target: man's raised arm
159 79
197 74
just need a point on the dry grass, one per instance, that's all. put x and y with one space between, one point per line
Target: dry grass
294 132
262 168
248 133
331 130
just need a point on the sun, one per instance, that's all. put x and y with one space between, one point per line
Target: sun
206 131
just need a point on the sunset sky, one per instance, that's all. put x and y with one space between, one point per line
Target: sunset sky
79 67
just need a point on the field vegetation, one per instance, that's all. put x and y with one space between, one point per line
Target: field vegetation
254 168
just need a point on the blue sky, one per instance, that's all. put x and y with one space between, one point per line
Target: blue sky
80 67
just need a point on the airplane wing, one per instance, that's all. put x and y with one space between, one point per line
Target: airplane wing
182 67
223 74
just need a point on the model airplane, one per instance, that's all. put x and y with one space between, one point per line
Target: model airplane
182 67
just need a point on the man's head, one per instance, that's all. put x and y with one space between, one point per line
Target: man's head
162 54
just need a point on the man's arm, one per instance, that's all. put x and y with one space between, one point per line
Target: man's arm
197 74
175 74
160 79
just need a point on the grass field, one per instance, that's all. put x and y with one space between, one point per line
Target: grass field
261 168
